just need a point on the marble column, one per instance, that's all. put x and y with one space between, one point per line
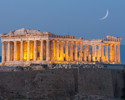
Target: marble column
28 50
85 53
50 50
93 52
99 53
66 51
110 53
80 51
102 53
76 52
62 51
15 50
41 50
54 50
3 52
57 50
21 51
106 53
87 49
118 53
47 50
115 59
71 51
89 56
35 50
8 51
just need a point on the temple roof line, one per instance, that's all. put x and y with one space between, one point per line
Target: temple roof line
24 32
30 32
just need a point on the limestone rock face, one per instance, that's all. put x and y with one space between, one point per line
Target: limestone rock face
62 84
82 96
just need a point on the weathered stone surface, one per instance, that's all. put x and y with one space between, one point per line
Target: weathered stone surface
93 97
28 31
61 84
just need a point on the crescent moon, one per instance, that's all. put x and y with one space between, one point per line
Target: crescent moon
107 13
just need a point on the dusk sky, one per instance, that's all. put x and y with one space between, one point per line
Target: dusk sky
66 17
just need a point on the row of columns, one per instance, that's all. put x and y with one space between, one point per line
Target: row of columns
6 53
111 51
65 51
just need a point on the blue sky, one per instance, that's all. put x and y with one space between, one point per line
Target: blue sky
74 17
66 17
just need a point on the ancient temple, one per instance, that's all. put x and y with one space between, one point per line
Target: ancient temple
22 47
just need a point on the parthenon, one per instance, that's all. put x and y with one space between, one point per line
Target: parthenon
25 46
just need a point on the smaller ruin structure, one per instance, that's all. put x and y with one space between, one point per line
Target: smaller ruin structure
25 46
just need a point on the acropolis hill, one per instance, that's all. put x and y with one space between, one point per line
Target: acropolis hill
24 47
26 53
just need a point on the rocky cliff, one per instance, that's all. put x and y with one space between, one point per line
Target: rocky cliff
61 84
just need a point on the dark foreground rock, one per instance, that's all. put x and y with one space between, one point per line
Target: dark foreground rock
63 84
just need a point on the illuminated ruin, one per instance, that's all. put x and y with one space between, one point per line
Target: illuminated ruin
22 47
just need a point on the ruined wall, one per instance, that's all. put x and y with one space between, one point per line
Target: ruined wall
55 84
61 84
96 81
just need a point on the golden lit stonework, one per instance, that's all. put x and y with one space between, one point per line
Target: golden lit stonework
22 47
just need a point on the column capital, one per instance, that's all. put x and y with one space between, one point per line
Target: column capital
80 44
53 41
80 41
67 41
76 41
111 44
14 41
57 41
48 40
61 41
71 41
102 44
106 44
3 42
8 41
118 44
99 44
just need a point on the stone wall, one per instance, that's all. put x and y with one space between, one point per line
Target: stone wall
96 81
61 84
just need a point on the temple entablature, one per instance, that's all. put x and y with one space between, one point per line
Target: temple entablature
22 33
